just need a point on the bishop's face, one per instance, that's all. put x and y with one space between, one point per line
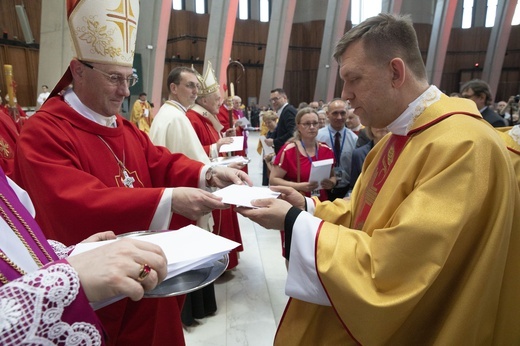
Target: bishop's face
96 91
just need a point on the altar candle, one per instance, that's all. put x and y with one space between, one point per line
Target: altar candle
8 71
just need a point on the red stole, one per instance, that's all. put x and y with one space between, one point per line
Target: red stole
391 152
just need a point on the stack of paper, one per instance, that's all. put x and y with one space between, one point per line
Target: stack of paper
320 170
188 248
267 149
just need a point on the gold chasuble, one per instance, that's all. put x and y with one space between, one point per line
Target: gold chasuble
437 255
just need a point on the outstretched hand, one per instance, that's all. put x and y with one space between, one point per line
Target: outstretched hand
269 214
194 203
290 195
113 269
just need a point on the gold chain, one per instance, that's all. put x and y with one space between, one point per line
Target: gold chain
8 220
3 279
11 263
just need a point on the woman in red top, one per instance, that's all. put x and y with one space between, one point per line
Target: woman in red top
292 165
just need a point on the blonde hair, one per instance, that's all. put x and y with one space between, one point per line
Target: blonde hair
269 115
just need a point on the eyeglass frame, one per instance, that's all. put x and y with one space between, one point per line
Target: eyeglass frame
113 78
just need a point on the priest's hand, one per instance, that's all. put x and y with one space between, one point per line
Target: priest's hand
194 203
269 214
223 176
115 269
290 195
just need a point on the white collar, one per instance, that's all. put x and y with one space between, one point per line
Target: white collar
177 103
515 133
73 100
281 109
403 124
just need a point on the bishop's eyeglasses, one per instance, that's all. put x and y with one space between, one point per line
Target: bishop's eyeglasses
115 79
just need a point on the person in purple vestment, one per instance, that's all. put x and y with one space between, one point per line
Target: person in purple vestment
45 296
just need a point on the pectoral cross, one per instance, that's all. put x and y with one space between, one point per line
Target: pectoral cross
128 181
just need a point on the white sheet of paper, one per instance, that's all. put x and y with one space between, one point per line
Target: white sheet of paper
242 122
242 195
237 145
320 170
267 149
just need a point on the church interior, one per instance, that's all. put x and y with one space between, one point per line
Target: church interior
290 46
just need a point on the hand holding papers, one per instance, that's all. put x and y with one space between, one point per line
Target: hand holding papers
320 170
236 145
242 122
267 148
242 195
185 249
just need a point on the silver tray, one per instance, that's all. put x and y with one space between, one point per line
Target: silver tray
186 282
225 161
189 281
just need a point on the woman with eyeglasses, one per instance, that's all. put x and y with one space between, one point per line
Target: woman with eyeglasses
292 165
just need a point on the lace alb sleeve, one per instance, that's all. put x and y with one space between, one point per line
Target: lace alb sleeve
60 249
36 309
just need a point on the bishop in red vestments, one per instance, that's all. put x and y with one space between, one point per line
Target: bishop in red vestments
88 169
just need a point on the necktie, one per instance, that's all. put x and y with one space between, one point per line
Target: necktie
337 148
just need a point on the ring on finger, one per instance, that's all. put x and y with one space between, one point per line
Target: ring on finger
143 272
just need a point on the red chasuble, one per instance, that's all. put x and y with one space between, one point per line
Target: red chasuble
226 221
69 166
8 138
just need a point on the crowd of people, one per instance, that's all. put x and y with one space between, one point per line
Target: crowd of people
391 246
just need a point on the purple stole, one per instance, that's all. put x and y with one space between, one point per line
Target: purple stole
9 194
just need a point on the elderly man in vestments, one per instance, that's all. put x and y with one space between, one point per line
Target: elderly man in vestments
43 291
427 250
88 169
203 117
225 112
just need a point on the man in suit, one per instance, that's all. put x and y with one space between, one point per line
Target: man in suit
286 114
479 91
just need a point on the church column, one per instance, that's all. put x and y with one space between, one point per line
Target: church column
221 28
55 44
497 45
392 6
280 26
152 37
334 29
439 39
